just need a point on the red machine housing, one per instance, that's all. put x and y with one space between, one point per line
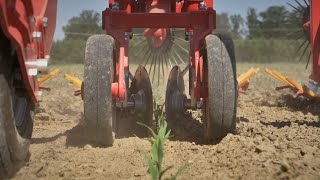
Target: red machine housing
315 39
30 26
156 16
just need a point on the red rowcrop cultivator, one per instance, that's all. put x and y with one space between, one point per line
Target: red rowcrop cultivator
108 93
27 28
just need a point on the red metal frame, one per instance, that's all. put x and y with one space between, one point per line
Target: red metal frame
19 20
166 14
315 39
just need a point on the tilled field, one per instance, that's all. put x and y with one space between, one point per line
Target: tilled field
278 137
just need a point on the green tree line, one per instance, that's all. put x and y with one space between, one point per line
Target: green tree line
272 35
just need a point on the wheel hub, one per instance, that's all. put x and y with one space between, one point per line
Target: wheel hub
140 102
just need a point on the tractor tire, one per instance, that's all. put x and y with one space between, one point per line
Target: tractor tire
16 113
97 95
221 104
228 42
14 147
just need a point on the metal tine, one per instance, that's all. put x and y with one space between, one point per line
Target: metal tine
167 67
304 52
141 50
308 60
179 56
139 43
185 70
162 66
180 47
145 65
295 7
301 45
175 60
175 37
184 55
299 37
145 55
154 68
299 4
159 70
168 57
152 61
295 32
306 3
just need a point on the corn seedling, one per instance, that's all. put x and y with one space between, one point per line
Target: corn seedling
157 141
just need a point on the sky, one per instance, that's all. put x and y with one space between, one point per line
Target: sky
70 8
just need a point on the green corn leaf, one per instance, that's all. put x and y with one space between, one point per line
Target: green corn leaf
181 169
151 140
152 132
152 169
160 155
162 133
168 134
165 170
154 152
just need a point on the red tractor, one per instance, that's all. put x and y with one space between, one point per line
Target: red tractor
26 33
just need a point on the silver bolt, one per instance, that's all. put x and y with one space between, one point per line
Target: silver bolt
199 104
115 6
45 22
36 34
33 72
202 6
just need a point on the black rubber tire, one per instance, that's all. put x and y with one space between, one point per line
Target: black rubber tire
16 113
228 43
98 74
221 103
14 149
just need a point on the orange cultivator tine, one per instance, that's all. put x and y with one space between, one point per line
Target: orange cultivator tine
46 78
73 80
273 75
294 83
279 76
76 82
49 76
244 79
290 83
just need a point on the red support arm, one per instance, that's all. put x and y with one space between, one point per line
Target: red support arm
315 39
30 26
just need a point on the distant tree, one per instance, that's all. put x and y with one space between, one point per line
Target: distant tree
253 24
223 24
236 23
79 28
274 22
84 25
296 19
